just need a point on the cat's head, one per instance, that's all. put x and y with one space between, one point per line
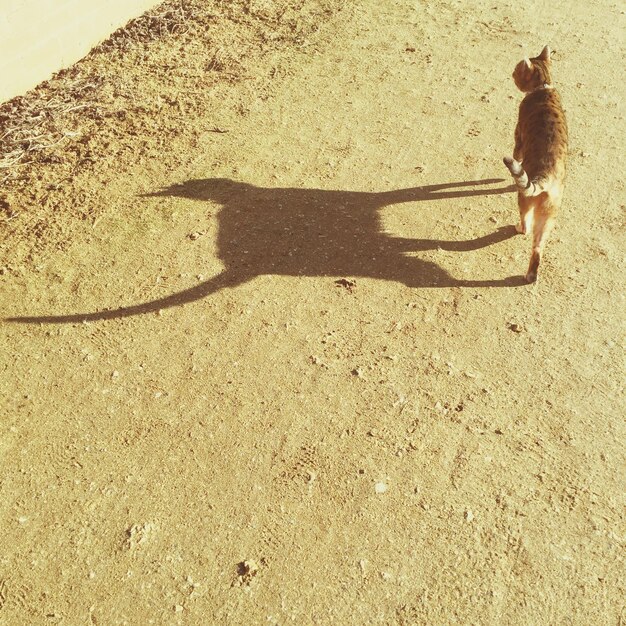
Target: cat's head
531 74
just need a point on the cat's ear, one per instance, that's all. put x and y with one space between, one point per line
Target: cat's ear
545 53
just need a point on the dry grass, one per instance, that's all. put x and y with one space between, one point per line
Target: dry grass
131 94
33 127
33 124
174 17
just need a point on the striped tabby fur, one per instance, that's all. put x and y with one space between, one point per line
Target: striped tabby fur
539 156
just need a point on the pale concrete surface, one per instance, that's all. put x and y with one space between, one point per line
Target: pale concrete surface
40 37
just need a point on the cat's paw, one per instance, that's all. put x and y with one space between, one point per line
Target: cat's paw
520 228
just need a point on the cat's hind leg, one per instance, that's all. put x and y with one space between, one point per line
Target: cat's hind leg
542 226
526 206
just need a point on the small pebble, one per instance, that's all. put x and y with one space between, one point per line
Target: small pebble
247 570
380 487
249 567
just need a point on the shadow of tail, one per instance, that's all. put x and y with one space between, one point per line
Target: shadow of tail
221 281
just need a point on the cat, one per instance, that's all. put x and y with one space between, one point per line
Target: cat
539 156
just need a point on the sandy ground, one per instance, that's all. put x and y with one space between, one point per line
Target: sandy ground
273 361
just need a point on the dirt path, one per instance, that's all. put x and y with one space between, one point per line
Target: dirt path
275 363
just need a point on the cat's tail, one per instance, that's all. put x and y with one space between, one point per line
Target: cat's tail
526 187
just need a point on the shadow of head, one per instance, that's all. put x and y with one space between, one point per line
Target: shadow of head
219 190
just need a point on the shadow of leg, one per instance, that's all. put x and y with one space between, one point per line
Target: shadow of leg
430 275
422 245
511 281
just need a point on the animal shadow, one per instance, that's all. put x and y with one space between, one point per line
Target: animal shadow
313 232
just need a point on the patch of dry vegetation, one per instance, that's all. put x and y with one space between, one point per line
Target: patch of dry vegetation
132 93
